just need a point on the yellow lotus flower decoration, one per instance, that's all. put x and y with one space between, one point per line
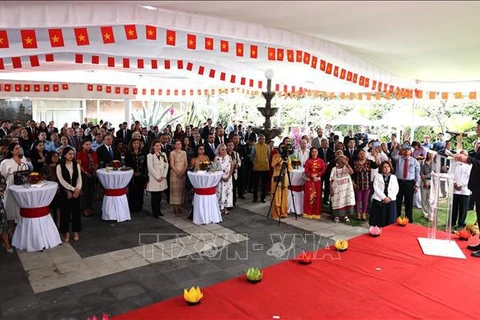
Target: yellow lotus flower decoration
34 174
341 245
194 295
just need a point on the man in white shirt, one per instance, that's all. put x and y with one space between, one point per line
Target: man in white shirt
461 194
303 153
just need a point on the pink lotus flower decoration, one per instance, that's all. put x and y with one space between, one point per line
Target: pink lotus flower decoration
375 231
305 257
104 317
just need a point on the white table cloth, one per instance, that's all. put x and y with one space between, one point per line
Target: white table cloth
297 180
205 203
35 230
115 202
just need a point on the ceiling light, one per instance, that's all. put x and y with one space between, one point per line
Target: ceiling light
148 7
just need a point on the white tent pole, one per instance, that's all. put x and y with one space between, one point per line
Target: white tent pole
412 131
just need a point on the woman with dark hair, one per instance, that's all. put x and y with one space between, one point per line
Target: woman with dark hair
362 177
24 141
136 160
70 179
51 175
179 133
157 165
314 169
341 189
178 166
38 157
88 160
385 186
14 162
188 149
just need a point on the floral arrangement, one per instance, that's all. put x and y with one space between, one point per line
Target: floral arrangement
34 178
254 275
203 165
305 257
116 164
341 245
375 231
192 296
402 221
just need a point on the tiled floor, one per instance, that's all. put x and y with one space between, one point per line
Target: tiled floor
117 267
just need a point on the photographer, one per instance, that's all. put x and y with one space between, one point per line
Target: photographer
279 189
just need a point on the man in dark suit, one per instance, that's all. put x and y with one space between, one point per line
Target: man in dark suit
390 143
351 152
32 131
107 152
124 134
221 137
474 182
210 147
348 137
206 129
4 129
250 135
146 139
195 141
85 123
242 152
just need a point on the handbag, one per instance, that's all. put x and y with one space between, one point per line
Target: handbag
21 175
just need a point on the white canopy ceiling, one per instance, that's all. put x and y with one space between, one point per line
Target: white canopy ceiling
410 44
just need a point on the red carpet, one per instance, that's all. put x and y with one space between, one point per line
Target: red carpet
409 285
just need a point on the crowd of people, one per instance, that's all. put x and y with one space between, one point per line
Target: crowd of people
358 178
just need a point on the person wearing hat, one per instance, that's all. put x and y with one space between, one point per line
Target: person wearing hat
341 189
473 183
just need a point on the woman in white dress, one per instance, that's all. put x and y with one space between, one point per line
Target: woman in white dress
341 190
157 165
14 162
225 186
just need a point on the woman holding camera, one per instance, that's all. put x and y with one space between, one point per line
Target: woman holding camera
314 170
279 185
69 176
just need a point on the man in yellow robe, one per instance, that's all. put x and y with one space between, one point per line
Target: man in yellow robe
279 195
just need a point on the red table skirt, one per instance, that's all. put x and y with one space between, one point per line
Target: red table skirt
296 188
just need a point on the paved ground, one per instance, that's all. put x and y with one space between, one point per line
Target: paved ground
118 267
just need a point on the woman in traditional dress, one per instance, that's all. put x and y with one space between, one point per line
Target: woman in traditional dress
362 168
14 162
178 167
385 190
136 160
157 165
225 186
3 217
87 158
341 190
314 169
70 179
279 186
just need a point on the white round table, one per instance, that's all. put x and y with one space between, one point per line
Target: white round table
115 202
35 230
297 180
205 202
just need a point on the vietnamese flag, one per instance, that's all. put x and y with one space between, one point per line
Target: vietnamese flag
55 87
314 62
36 88
271 53
191 41
131 32
140 63
126 63
65 86
355 77
374 85
111 62
135 91
472 95
154 64
329 68
90 87
290 57
253 51
171 37
7 87
4 39
239 49
166 64
201 70
2 65
323 65
223 45
242 81
189 66
280 54
209 43
95 59
362 81
150 32
335 71
233 78
16 62
342 74
434 94
179 64
18 87
306 58
56 38
212 73
26 87
223 75
81 36
79 58
46 87
108 89
107 34
118 90
367 82
99 87
29 39
34 61
299 56
126 90
49 57
349 76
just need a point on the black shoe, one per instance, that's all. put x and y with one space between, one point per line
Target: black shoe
255 200
476 254
474 248
264 201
